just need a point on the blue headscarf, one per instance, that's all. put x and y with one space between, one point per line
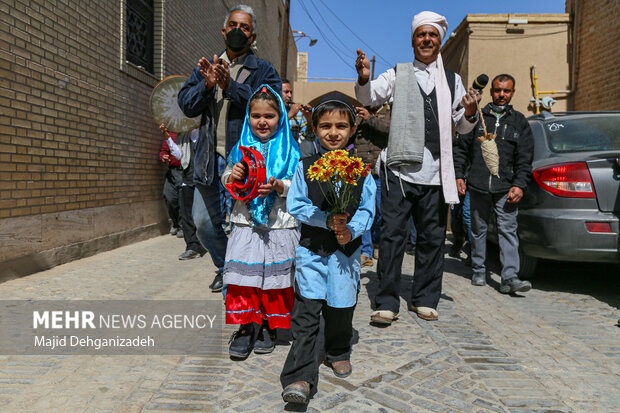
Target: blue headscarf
281 154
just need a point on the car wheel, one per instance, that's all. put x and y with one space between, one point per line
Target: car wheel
527 265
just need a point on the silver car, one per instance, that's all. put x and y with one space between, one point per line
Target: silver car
571 209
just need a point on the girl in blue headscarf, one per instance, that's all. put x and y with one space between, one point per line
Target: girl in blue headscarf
260 256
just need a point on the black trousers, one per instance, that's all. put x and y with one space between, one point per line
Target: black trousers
186 220
302 362
429 211
172 185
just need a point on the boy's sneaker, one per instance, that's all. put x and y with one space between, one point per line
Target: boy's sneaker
513 285
174 230
241 341
266 341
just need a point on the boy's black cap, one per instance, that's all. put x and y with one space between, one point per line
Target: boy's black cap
336 97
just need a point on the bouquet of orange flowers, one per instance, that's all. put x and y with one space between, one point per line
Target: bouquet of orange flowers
341 172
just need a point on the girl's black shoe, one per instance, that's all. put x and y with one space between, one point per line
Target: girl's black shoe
241 341
266 341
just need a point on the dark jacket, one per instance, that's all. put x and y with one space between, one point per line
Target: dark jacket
371 137
515 145
195 99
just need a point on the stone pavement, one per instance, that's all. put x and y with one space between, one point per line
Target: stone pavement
553 349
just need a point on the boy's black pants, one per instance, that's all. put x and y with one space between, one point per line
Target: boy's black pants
302 362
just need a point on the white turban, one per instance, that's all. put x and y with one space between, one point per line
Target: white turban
428 17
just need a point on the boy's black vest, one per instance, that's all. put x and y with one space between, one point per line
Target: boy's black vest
323 241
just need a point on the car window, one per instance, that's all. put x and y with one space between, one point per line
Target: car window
596 133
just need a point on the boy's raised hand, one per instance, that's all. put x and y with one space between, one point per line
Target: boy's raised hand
238 173
362 65
272 184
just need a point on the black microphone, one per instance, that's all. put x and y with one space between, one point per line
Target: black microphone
480 82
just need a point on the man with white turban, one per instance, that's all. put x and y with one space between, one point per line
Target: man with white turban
417 178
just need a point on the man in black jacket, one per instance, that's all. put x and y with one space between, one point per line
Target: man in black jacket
500 192
218 90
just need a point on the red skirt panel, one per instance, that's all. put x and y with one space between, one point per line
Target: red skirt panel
246 305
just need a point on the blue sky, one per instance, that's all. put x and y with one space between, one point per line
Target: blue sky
384 25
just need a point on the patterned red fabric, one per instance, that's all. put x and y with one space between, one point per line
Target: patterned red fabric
253 305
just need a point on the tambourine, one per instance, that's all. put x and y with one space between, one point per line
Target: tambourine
164 106
256 175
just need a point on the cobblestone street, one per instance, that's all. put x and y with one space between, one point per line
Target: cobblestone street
555 348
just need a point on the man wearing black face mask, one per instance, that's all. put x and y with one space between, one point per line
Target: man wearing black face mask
500 192
218 90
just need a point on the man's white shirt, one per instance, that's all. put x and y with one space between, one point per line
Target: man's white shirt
381 90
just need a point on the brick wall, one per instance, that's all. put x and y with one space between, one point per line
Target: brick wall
598 54
78 146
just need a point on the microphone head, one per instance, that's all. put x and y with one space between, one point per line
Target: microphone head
480 82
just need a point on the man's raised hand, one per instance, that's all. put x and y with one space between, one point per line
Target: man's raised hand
470 102
164 130
207 70
307 112
295 107
222 74
362 65
362 112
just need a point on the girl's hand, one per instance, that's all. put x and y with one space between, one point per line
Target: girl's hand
237 174
272 185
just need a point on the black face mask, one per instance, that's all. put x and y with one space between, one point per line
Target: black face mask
236 40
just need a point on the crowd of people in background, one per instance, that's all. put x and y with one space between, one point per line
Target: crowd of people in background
283 261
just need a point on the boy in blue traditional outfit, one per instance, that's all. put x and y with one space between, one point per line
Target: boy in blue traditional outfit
327 267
